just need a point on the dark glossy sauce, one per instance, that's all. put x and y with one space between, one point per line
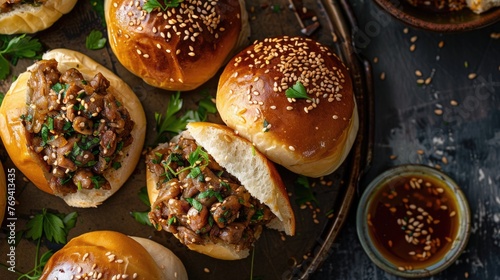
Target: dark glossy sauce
413 221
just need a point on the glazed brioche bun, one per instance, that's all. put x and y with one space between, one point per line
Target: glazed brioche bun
254 171
108 254
14 134
27 18
309 136
180 48
3 192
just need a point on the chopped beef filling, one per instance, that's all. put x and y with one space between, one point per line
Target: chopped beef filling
76 127
8 5
199 201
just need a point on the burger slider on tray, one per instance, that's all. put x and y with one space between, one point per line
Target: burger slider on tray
214 192
113 255
30 16
293 99
175 45
74 129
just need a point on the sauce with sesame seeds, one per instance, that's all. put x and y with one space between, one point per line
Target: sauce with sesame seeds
412 220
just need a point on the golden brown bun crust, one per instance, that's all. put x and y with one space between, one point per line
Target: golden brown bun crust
255 172
13 132
30 19
180 56
3 194
112 253
308 139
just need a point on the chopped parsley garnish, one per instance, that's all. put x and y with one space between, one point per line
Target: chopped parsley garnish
98 181
297 91
142 216
116 165
209 194
195 203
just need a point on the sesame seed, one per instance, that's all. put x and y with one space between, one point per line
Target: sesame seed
472 76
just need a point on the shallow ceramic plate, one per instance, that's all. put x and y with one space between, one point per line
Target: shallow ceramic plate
463 20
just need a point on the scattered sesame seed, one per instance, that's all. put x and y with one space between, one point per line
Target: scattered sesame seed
412 47
472 76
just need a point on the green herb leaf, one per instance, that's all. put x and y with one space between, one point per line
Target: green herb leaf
53 228
303 191
143 196
297 91
14 48
95 40
150 5
116 165
142 217
35 226
98 7
171 124
2 95
195 203
210 193
172 220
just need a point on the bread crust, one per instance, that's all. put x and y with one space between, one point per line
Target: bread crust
31 19
14 134
113 254
309 136
253 170
175 53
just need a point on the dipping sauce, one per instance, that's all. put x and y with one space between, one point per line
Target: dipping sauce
413 220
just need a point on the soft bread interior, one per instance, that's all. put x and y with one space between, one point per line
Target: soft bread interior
255 172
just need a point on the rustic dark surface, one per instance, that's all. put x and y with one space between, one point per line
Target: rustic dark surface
467 135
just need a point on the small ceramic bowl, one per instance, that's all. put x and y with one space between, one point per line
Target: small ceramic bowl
413 221
463 20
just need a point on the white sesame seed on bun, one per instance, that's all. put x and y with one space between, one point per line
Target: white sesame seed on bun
176 48
311 135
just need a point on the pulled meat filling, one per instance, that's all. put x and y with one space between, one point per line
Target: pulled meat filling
8 5
76 127
199 201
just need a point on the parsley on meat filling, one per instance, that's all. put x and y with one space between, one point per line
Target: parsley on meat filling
76 127
199 201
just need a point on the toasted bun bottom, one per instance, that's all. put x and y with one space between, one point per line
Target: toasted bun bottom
13 132
110 254
257 174
27 18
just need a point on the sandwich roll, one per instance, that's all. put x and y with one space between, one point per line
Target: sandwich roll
30 16
113 255
176 47
75 129
293 99
214 192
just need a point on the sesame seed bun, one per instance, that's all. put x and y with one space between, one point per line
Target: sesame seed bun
27 18
3 192
311 136
15 136
253 170
179 48
111 254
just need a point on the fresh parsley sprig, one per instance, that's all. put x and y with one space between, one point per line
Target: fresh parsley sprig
14 48
142 216
297 91
53 227
150 5
95 40
170 123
